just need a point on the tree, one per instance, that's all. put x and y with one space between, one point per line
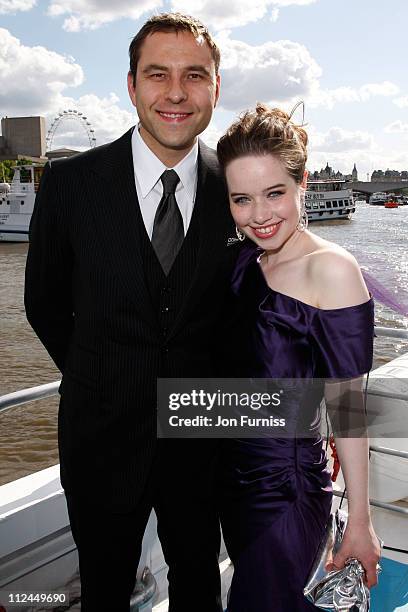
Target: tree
6 168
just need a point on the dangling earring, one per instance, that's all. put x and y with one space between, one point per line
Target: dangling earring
304 217
240 235
303 222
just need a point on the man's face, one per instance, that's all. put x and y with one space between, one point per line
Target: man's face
176 91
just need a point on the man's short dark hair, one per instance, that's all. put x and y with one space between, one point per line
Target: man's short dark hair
171 22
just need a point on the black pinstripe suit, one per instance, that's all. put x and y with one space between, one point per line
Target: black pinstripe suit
93 295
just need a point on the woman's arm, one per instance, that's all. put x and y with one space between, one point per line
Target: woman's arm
360 540
339 283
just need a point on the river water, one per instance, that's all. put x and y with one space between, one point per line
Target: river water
28 434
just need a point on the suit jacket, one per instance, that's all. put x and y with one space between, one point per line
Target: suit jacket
87 299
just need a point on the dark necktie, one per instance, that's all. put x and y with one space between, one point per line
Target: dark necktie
168 230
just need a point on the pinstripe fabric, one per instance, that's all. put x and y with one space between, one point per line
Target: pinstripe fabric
87 298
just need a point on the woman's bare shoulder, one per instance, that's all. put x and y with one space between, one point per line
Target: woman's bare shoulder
336 276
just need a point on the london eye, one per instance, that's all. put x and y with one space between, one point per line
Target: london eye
75 115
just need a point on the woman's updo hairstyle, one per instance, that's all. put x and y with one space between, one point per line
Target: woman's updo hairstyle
266 131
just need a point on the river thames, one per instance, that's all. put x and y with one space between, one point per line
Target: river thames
28 434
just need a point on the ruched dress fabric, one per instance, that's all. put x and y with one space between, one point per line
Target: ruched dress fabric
276 492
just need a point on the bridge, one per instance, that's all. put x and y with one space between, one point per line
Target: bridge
370 187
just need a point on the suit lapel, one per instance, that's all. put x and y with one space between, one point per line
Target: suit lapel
119 221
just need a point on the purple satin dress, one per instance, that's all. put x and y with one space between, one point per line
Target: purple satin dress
276 492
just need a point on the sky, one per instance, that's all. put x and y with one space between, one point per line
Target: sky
343 58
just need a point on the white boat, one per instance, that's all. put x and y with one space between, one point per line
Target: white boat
329 200
17 203
378 199
37 552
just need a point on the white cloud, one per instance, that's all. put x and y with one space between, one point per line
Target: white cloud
219 14
341 95
12 6
397 127
365 162
274 16
337 140
33 81
386 88
293 2
211 135
92 14
274 71
105 116
341 149
402 102
33 78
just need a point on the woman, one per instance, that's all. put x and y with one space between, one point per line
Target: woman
305 313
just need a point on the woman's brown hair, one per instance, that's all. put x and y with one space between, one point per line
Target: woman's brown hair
266 131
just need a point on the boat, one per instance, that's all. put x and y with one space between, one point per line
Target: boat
17 203
378 199
329 200
391 203
37 549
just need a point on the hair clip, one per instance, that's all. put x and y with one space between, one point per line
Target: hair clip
300 103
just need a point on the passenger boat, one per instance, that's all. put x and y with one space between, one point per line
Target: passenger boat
329 200
378 199
17 203
38 554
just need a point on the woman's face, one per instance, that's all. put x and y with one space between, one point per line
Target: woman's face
265 200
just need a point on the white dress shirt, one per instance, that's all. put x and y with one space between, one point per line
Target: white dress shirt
148 170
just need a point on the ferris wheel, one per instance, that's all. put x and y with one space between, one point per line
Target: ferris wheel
77 116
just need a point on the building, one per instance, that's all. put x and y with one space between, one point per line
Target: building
328 173
389 175
58 153
23 137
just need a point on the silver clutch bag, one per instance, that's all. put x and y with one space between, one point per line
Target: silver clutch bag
341 590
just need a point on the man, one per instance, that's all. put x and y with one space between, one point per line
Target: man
127 272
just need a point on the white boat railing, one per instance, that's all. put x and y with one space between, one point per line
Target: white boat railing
389 451
378 504
391 332
24 396
17 398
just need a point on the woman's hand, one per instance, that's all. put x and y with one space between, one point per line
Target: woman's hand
361 542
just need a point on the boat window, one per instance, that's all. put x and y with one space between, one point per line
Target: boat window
340 202
25 175
335 204
328 204
308 205
322 205
8 202
315 205
346 202
22 202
